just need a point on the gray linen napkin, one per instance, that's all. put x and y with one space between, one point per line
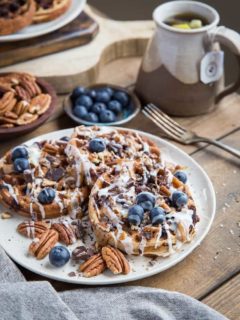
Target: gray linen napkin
23 300
8 270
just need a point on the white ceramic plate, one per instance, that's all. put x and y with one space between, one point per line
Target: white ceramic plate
40 29
16 245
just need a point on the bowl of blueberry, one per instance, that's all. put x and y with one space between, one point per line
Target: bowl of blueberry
102 104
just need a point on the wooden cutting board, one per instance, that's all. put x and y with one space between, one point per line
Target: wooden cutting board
79 32
81 65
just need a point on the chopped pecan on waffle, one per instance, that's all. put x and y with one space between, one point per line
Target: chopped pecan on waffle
40 247
115 260
48 10
21 100
32 229
93 266
118 145
121 219
15 15
66 232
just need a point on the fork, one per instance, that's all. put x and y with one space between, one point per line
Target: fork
176 132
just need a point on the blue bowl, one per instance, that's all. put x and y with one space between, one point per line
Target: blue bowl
128 113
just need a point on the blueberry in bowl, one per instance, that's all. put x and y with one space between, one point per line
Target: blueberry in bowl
102 104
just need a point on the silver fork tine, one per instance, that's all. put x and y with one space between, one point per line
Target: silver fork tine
160 112
156 122
168 123
163 124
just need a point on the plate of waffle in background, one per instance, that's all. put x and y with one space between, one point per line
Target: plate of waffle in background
25 19
102 205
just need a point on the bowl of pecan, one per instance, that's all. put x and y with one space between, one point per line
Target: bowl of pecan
26 102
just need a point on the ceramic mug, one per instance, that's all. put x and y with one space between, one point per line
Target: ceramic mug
182 70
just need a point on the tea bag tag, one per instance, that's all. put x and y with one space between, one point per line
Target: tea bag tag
212 66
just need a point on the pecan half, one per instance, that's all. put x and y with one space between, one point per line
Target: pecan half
22 93
66 233
32 229
115 260
31 87
40 103
40 247
26 118
93 266
21 107
7 102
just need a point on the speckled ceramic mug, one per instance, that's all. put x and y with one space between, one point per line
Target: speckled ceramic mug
172 74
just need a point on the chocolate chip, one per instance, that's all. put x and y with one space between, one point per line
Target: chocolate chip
82 253
28 176
195 218
13 7
3 12
55 174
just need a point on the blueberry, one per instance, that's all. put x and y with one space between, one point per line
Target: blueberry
135 215
20 165
91 117
97 145
98 107
146 196
59 256
157 215
85 101
102 96
46 196
19 152
92 94
80 112
65 139
146 205
180 175
179 199
115 106
122 97
110 91
77 92
107 116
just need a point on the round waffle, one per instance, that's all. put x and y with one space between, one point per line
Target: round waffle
48 10
115 193
15 15
48 168
120 145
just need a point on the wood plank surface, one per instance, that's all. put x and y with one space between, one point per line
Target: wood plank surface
226 299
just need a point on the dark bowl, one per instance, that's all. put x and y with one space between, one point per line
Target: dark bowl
127 115
7 133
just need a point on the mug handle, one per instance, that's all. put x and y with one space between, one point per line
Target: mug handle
230 39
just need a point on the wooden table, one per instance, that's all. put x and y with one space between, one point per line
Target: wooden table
212 272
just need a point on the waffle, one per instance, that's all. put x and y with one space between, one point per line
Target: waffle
120 144
15 15
49 168
48 10
115 192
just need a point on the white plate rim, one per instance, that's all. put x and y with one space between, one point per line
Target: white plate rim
134 277
75 9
